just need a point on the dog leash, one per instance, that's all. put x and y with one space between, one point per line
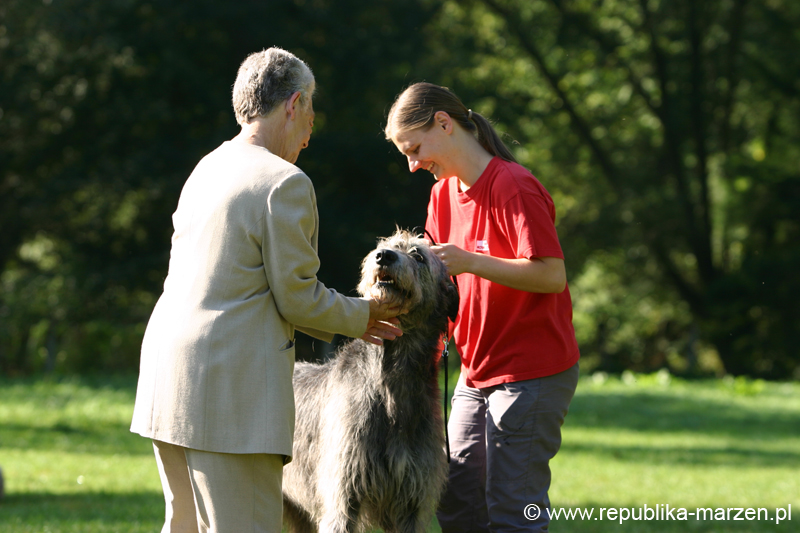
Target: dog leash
445 353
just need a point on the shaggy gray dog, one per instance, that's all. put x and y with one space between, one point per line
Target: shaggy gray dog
369 438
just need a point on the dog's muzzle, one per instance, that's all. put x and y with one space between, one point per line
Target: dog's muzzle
385 257
387 262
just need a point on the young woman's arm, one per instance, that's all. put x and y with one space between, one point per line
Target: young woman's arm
540 274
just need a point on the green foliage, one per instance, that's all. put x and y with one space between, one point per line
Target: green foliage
105 108
668 135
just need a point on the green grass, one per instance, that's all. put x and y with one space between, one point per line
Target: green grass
71 465
653 440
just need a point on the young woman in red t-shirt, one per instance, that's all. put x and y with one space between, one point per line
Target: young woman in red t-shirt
496 226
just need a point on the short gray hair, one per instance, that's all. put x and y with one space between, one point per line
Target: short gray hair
266 79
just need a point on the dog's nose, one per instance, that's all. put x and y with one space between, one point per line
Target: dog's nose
385 257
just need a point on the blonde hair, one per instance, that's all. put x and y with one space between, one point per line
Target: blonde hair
417 105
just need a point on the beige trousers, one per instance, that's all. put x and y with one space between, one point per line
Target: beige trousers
208 492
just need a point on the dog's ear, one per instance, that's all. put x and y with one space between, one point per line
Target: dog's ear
451 291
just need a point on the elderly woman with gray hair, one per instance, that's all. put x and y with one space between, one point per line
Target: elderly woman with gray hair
215 384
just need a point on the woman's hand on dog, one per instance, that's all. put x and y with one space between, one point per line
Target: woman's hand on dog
536 274
378 330
385 309
454 258
382 321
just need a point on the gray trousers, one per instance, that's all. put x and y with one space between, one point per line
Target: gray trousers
501 441
220 492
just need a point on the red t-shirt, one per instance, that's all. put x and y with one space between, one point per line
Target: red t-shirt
502 334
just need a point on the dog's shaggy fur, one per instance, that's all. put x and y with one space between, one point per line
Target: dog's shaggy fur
368 443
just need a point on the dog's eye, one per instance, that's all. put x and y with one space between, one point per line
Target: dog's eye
418 256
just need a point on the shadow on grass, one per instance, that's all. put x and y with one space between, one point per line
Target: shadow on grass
143 512
75 438
665 455
98 511
90 513
662 413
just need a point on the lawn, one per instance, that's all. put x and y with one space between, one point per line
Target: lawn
71 465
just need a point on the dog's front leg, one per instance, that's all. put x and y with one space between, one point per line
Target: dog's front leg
337 476
334 521
413 519
341 507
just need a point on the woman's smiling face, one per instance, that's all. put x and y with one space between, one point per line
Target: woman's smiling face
427 148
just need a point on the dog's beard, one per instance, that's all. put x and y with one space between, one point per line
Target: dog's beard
383 284
386 288
384 280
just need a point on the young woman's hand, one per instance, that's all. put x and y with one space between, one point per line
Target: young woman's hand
538 274
457 260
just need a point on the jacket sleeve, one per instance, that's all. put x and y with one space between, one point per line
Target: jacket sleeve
289 250
317 334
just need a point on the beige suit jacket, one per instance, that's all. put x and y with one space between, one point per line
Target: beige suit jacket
218 353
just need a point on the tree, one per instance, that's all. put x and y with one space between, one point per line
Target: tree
666 130
105 108
669 133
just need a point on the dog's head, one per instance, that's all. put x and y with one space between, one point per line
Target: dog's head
403 269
